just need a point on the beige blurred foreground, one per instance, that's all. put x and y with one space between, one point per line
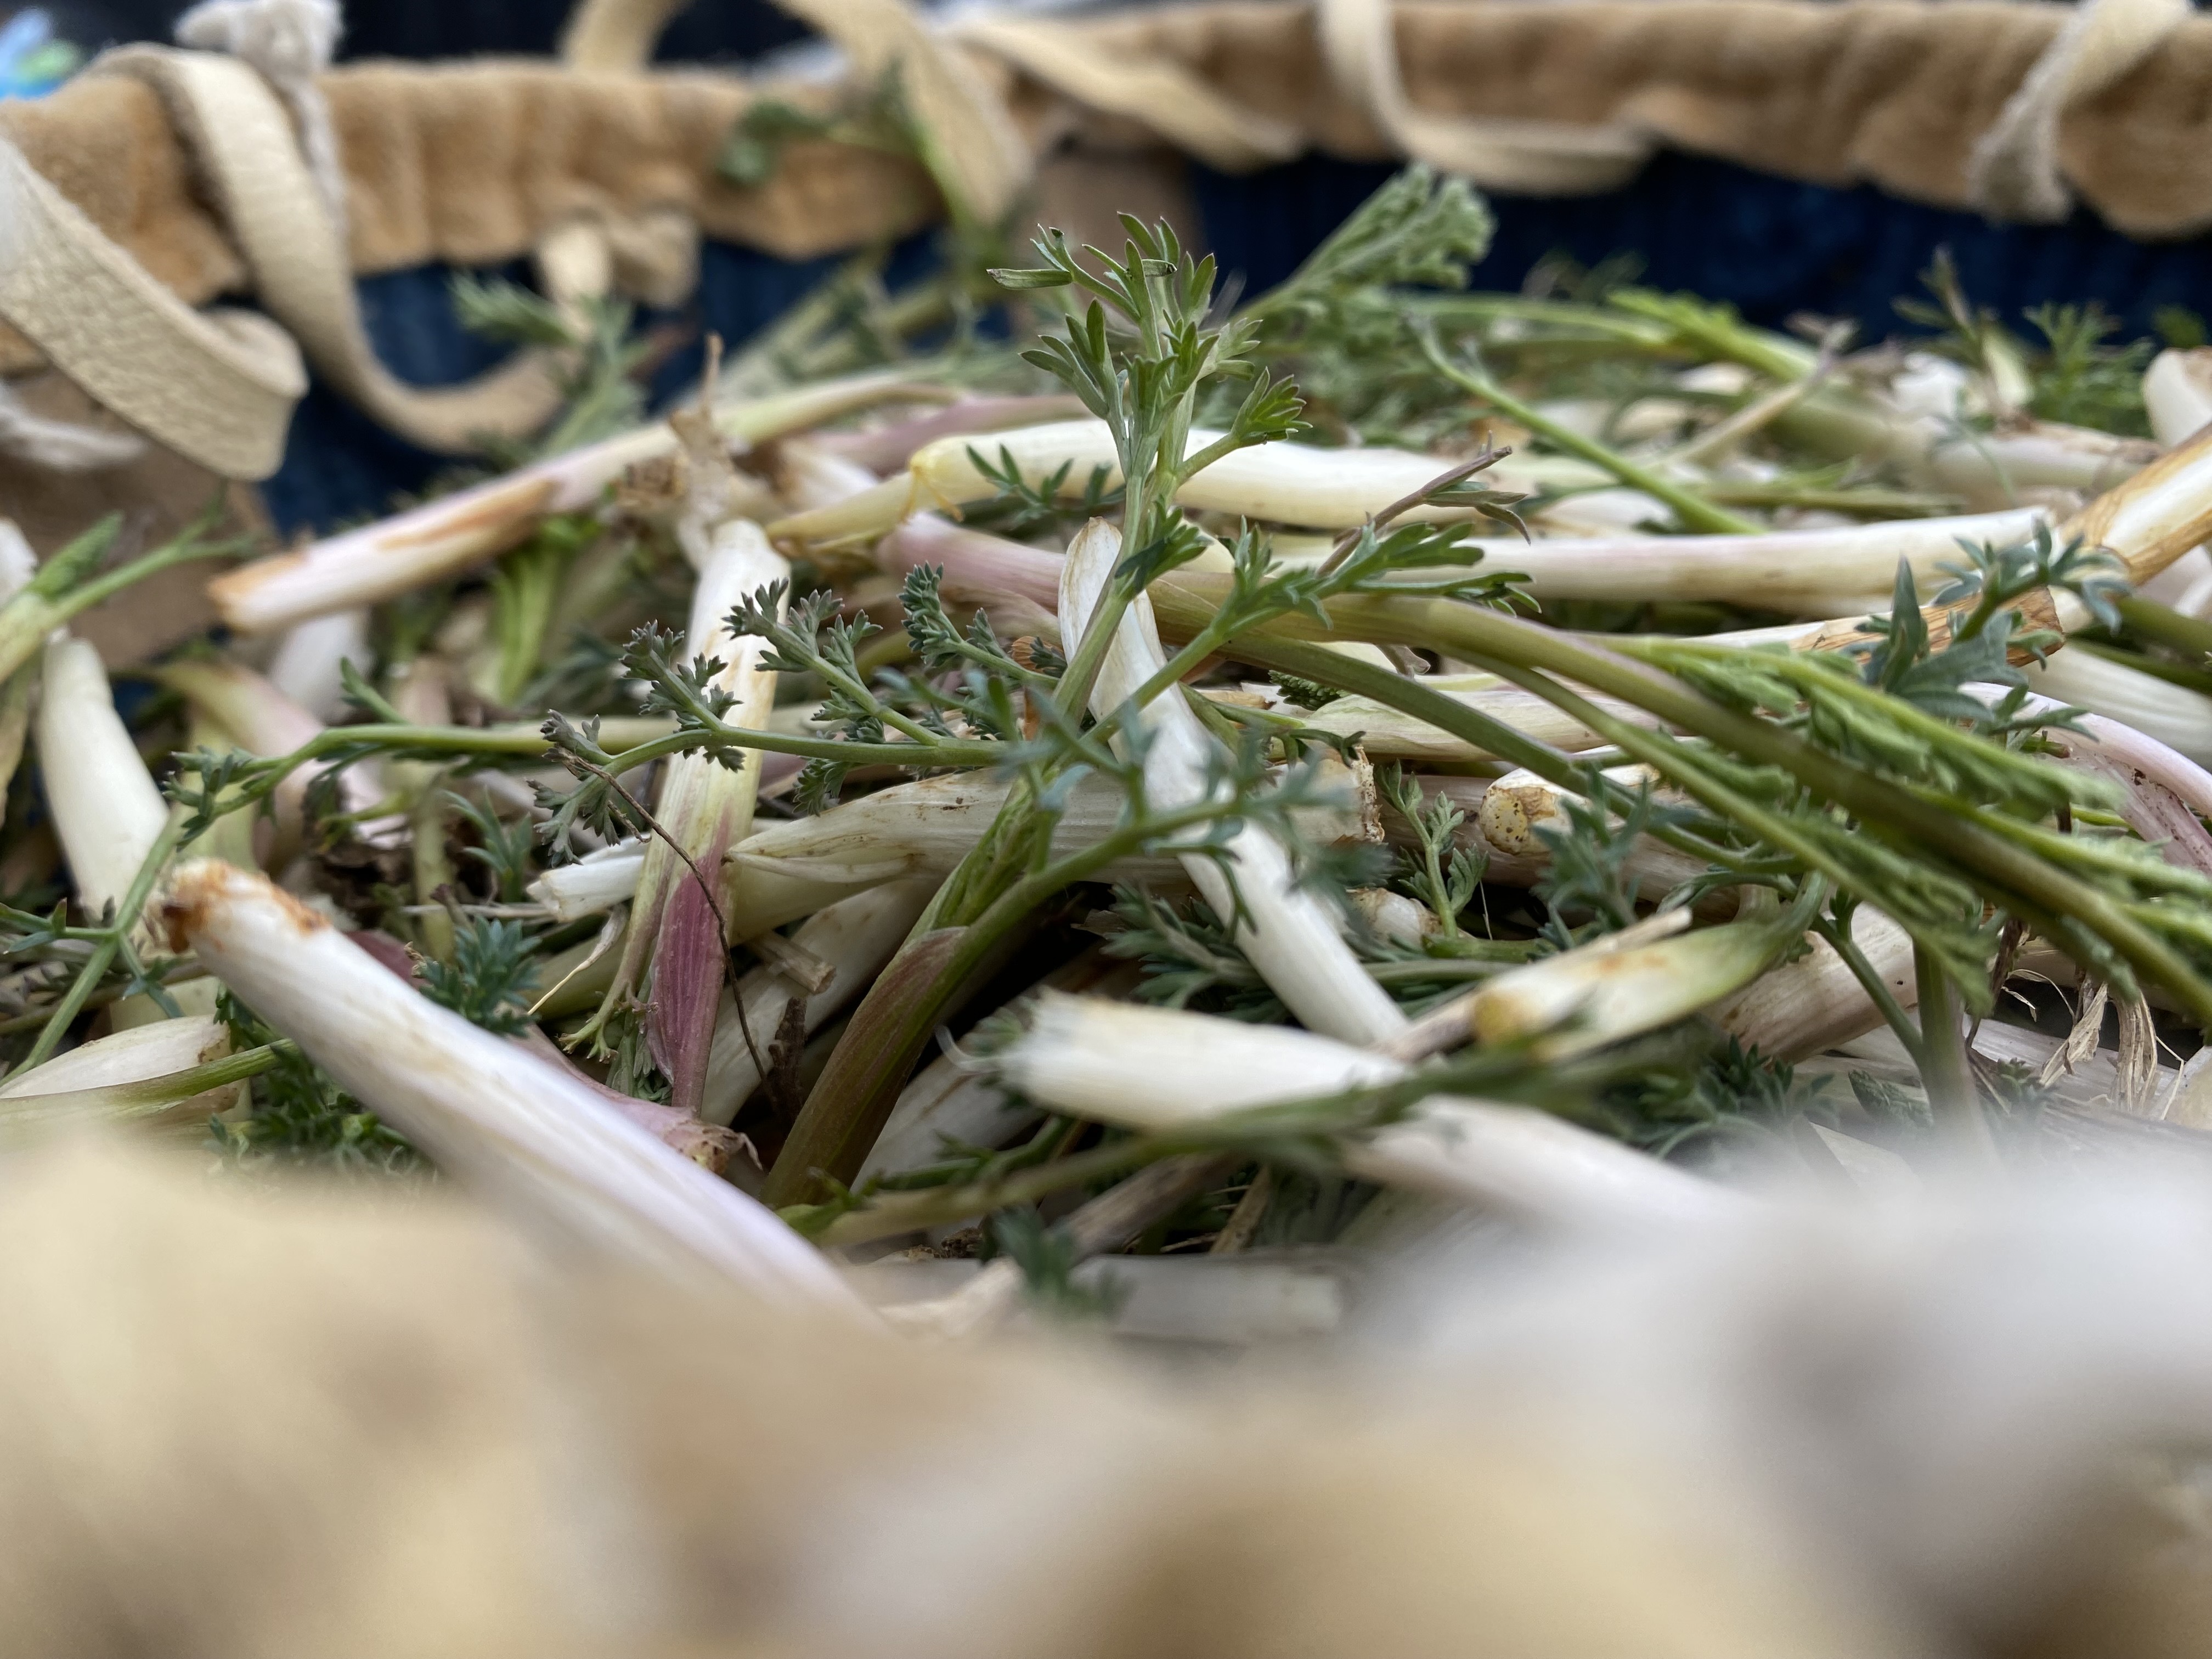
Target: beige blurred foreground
244 1423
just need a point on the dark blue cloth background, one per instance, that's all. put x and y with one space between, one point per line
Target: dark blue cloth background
1768 245
339 465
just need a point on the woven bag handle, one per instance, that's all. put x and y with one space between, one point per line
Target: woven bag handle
1360 43
240 134
217 388
977 155
2013 172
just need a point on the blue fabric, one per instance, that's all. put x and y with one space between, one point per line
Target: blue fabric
1768 245
458 29
341 467
700 32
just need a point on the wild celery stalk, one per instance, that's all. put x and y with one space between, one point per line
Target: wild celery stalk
310 661
1144 388
595 883
1285 930
1983 848
1829 996
456 533
938 967
704 808
2178 394
787 870
1927 432
107 810
2147 521
1159 1069
1388 733
1518 820
18 564
887 448
493 1115
765 1016
1694 511
2173 715
1840 571
181 1067
1584 998
1282 482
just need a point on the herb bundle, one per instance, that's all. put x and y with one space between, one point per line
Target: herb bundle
1374 732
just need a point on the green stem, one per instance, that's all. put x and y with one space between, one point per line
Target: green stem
1719 332
2162 625
1866 503
433 869
1693 510
1878 993
52 598
1203 645
938 752
186 550
853 688
1411 696
531 745
916 993
2014 877
104 953
156 1093
1618 332
1424 970
99 999
1945 1074
231 1068
2173 673
892 1214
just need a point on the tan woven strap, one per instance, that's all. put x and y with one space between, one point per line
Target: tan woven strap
238 132
2013 172
218 388
1359 40
972 146
604 35
291 43
475 163
654 254
1161 93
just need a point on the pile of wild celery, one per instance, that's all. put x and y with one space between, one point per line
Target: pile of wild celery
1174 788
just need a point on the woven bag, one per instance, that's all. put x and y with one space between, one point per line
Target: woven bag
163 181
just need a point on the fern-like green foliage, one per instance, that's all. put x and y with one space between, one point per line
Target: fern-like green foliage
1305 694
1419 230
1189 958
1733 1091
487 981
1588 889
1442 874
503 848
2084 381
1048 1259
299 1115
1022 507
